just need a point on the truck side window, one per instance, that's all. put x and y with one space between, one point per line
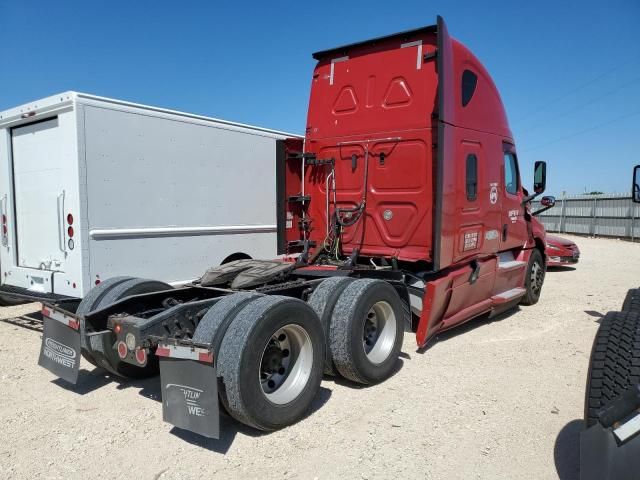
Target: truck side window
472 177
469 82
510 173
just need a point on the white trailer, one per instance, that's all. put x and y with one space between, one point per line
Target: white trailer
92 188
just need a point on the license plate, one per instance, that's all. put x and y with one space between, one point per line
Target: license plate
60 349
189 390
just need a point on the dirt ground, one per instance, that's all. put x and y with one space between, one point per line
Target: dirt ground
499 398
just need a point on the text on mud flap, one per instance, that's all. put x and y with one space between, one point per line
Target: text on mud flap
191 397
59 353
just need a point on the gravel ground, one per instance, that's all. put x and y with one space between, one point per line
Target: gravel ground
499 398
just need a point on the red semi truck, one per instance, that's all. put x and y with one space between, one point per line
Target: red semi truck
402 207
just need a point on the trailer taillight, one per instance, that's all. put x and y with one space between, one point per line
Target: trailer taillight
70 219
70 231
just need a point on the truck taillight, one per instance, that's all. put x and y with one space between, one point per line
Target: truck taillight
70 231
5 231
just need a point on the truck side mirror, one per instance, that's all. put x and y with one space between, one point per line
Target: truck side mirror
548 201
540 177
635 191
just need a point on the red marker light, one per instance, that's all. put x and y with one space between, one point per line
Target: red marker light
97 282
141 356
122 350
70 219
70 231
117 328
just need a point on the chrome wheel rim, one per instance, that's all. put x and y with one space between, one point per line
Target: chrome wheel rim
286 363
536 278
379 332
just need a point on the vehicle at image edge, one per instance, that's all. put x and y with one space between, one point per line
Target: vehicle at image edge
99 187
561 251
403 207
610 442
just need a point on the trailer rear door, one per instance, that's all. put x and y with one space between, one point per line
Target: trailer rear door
41 164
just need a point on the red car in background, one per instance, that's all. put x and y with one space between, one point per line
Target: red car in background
561 251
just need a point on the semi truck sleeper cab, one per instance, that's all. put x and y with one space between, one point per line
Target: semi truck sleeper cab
402 207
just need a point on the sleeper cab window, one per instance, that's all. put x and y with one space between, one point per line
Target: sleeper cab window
472 177
469 82
510 173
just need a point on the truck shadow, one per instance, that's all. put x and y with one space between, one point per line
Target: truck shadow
230 428
466 327
566 451
560 268
90 380
339 380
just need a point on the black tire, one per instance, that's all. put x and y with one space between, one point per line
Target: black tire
348 322
8 301
90 303
214 325
534 278
632 300
240 361
323 300
614 365
109 360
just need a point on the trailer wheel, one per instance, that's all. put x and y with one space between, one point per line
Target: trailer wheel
534 278
323 300
90 303
632 300
271 361
614 365
366 331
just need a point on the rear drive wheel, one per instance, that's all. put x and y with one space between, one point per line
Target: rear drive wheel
366 331
323 300
534 278
215 324
90 303
271 361
104 352
614 365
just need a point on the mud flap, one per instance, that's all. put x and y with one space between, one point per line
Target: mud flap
610 449
60 349
189 389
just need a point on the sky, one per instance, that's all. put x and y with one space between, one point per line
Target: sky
568 71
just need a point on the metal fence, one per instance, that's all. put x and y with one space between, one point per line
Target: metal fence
596 215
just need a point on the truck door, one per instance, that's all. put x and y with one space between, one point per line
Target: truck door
514 227
39 176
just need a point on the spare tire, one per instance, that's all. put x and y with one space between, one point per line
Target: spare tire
614 365
271 361
632 300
